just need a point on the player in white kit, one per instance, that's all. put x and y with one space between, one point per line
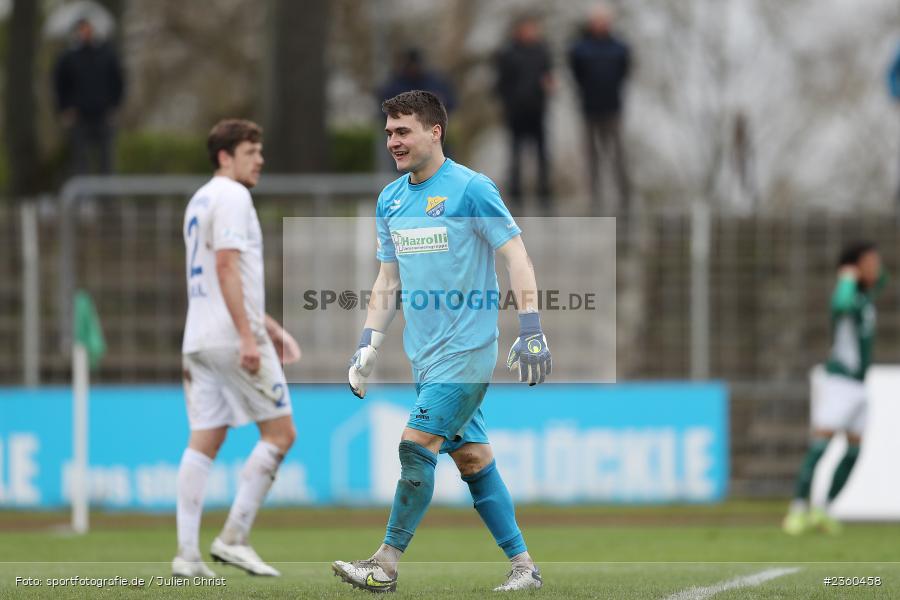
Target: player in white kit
232 352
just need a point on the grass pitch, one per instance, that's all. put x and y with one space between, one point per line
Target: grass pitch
618 553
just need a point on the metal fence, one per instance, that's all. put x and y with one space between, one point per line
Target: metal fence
766 303
574 260
736 298
765 283
120 239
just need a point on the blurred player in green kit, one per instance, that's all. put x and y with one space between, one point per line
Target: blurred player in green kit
841 405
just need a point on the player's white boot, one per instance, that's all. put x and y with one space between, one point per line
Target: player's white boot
365 575
522 577
183 567
241 556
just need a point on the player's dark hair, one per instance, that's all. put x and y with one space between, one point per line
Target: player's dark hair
426 107
853 252
227 134
524 18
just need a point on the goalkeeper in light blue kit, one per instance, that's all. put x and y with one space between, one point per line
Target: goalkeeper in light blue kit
438 228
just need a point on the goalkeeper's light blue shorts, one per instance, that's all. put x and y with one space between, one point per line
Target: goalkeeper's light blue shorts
449 396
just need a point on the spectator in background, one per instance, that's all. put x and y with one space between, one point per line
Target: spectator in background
411 73
894 87
524 81
600 64
89 88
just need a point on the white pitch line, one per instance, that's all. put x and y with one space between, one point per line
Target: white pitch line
700 593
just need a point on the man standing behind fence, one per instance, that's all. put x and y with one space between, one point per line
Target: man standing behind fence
89 87
232 352
524 80
600 64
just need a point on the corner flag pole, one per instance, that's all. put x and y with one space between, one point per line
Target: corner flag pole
87 350
79 481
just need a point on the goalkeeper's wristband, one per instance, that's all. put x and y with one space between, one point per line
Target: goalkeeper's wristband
529 323
370 337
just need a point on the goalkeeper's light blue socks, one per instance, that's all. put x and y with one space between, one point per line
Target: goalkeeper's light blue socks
413 495
415 489
495 505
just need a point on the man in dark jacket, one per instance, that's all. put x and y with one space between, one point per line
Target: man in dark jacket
600 64
524 80
89 87
412 73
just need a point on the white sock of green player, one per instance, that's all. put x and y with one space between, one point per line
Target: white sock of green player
388 557
256 479
191 487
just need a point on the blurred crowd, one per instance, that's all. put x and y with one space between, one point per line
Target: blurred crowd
599 61
89 87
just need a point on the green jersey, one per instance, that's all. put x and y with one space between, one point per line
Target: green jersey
852 329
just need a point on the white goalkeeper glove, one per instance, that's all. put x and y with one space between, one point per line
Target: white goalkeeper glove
363 361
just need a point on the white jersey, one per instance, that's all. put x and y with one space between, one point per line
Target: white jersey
221 216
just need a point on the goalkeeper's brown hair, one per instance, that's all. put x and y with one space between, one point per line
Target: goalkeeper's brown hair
425 106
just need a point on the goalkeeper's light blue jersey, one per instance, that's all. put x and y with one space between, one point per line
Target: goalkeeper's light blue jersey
443 233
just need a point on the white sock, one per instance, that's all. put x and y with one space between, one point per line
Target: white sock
523 558
388 557
798 505
256 479
192 474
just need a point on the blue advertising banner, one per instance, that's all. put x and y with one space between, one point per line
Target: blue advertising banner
654 442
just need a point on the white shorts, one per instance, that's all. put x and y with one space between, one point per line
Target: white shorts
839 403
219 392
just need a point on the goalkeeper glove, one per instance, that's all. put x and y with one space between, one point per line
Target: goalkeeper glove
530 353
363 361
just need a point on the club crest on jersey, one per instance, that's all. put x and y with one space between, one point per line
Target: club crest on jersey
435 206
